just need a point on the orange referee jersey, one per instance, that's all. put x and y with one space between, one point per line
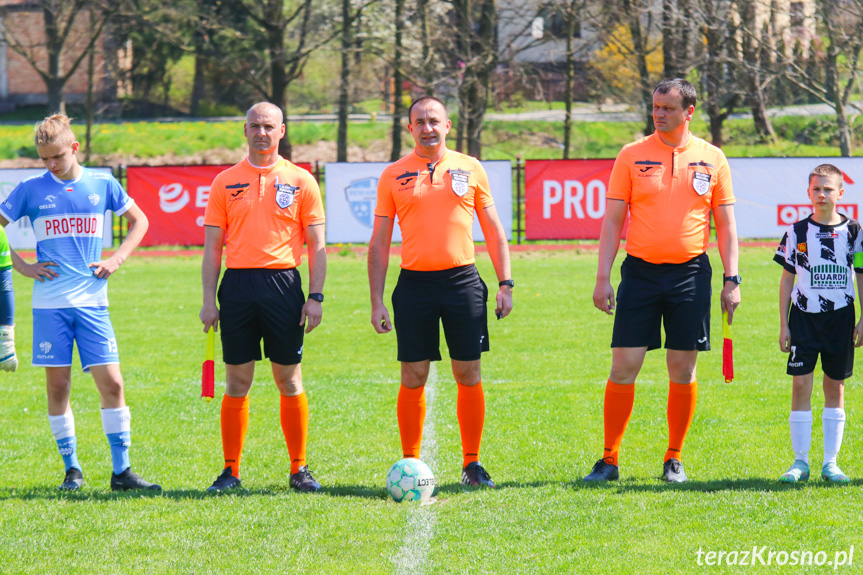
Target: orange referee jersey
670 192
434 208
264 212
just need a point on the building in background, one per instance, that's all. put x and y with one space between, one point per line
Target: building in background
22 28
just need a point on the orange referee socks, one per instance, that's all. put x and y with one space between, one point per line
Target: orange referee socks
294 414
411 411
235 422
470 408
681 408
616 412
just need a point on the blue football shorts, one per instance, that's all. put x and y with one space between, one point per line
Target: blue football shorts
55 329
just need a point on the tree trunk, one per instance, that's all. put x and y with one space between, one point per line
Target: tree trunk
91 71
464 44
197 85
425 35
832 76
54 81
571 21
670 35
639 43
344 87
484 62
398 105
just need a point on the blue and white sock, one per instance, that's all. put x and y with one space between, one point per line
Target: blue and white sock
833 423
63 428
801 434
117 425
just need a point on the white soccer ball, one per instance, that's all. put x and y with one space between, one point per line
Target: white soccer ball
410 480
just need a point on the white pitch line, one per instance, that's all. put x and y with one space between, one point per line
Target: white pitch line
419 530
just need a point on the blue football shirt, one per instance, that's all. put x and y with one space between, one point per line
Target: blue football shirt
68 218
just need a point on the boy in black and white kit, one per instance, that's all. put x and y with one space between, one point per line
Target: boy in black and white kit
819 250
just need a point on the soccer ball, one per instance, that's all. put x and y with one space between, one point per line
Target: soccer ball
410 480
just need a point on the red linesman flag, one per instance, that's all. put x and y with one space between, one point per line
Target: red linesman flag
727 350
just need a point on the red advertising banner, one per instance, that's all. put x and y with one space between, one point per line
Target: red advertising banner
565 199
174 199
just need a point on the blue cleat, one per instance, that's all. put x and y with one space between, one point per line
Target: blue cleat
831 472
799 471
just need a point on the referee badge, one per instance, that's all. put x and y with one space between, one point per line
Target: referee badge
285 194
700 182
459 182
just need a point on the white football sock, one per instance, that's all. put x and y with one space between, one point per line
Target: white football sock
801 434
833 422
62 426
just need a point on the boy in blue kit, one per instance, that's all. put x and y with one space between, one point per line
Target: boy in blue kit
67 206
819 250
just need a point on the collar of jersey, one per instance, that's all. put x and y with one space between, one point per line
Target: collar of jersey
842 217
264 169
683 147
67 182
425 161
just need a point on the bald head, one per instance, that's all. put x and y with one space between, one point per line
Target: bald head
268 109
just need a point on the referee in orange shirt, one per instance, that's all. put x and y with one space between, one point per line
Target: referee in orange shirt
434 192
669 182
263 208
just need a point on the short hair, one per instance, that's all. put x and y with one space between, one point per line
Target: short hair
426 99
827 171
687 91
269 106
54 130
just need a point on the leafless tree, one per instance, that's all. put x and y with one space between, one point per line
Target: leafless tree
47 56
842 23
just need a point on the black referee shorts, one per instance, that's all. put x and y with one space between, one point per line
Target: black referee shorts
676 295
829 333
261 303
421 300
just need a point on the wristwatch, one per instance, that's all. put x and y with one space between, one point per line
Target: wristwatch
509 283
736 279
318 297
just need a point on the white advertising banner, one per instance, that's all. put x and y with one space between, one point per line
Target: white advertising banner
771 192
20 233
351 194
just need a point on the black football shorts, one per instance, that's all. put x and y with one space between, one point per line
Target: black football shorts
422 300
261 303
674 295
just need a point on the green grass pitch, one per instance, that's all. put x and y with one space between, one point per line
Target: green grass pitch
544 380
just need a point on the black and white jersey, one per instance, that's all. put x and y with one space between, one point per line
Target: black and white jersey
822 257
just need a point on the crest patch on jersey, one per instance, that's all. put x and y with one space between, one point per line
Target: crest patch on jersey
801 248
285 194
94 199
700 183
460 181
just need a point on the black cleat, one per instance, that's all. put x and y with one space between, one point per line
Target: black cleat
73 481
475 475
603 471
225 482
672 471
129 480
302 480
